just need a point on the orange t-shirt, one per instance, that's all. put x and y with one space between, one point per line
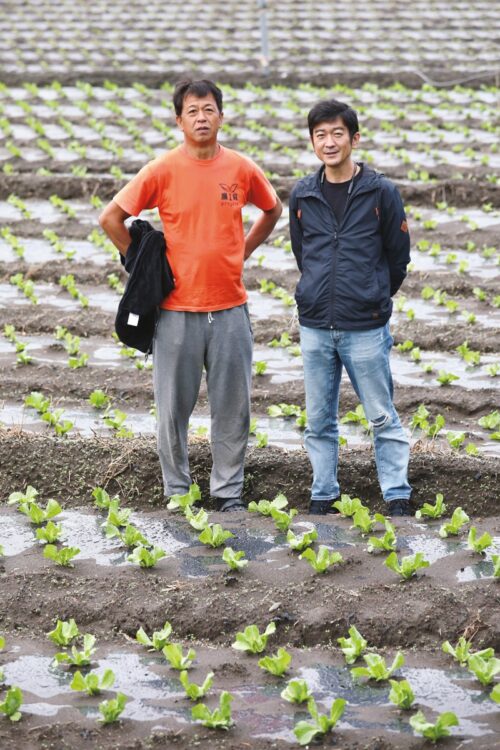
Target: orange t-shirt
200 202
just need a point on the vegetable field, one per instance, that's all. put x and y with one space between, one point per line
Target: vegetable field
127 624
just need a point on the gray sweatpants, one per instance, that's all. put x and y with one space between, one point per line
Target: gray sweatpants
185 342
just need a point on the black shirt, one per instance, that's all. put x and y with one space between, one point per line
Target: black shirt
336 194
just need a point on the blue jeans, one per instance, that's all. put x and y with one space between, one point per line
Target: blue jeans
365 355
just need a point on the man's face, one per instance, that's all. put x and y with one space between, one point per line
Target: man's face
200 119
332 143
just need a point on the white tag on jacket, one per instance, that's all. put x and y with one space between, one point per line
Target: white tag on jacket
133 319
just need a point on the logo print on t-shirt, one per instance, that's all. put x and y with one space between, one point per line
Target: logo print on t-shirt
229 194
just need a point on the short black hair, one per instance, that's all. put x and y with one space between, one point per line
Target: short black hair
200 88
329 110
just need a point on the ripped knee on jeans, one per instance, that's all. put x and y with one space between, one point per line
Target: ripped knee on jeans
379 422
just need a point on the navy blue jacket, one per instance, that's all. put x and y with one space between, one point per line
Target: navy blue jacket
349 270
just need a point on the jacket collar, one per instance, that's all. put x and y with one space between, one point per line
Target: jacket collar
311 185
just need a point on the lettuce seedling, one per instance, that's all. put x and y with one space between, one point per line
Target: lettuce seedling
102 500
173 653
219 718
362 520
214 535
435 731
91 683
253 641
300 543
481 544
130 536
282 519
484 668
348 506
461 651
98 399
276 664
23 497
50 533
181 502
432 511
234 559
297 691
159 639
117 516
401 694
39 515
194 691
64 632
198 521
323 559
496 566
12 703
2 551
78 658
376 668
305 731
38 401
61 556
454 526
264 507
112 709
408 566
354 646
387 542
495 693
146 558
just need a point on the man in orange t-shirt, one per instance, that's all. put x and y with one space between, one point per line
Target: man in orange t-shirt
200 188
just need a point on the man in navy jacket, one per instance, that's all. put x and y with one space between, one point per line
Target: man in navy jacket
350 239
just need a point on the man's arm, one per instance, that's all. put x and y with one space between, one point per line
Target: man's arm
295 231
395 235
262 228
112 220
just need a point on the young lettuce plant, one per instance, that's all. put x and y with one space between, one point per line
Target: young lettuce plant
130 536
264 507
496 566
92 683
305 731
194 691
253 641
219 718
117 516
22 498
401 694
146 558
454 526
61 556
214 535
282 519
386 543
173 653
159 639
376 668
432 511
277 664
50 533
64 632
478 545
460 652
111 710
408 566
39 515
435 731
78 658
181 502
495 693
297 691
98 399
197 521
234 559
484 668
300 543
12 703
324 558
348 506
102 500
352 647
363 521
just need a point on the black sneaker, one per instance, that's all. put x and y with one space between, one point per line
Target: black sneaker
226 504
399 507
322 507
